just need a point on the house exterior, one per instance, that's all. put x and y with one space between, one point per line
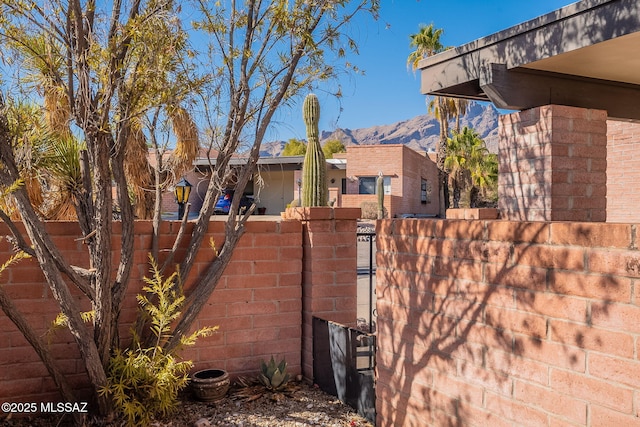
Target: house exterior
531 319
573 75
410 181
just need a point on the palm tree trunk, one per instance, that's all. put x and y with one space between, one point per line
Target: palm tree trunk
456 196
474 194
443 176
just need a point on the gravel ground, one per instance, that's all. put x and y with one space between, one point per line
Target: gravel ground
301 406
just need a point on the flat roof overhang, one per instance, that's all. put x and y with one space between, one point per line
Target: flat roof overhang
586 54
282 163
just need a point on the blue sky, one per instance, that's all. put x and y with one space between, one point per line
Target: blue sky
389 92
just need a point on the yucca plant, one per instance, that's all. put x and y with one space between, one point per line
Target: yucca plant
274 376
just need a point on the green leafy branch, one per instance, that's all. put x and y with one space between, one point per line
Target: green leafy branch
144 382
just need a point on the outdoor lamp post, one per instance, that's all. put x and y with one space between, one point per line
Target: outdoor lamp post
182 191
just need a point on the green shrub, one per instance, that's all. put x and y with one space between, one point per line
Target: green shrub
144 382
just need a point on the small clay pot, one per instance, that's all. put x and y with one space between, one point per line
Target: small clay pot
210 385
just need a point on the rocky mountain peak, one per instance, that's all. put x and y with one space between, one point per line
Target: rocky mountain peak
420 133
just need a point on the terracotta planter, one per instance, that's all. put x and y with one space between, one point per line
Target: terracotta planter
210 385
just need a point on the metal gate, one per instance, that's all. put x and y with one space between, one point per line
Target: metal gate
343 365
344 357
366 274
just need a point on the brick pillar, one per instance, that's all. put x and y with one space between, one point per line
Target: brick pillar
329 276
623 171
553 164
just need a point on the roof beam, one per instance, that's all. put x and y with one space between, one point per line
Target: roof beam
520 89
566 57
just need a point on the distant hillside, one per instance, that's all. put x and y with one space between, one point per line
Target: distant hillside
420 133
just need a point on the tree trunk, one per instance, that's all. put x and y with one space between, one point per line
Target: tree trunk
456 190
474 195
443 176
456 197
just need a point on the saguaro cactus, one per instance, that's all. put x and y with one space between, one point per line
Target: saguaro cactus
380 194
314 169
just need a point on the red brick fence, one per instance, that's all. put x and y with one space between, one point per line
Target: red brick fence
281 274
497 323
480 322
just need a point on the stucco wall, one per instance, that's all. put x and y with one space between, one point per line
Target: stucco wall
278 191
199 183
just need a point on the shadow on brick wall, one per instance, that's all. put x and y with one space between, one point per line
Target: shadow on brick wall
492 321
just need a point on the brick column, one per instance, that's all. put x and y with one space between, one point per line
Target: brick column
623 171
329 276
553 164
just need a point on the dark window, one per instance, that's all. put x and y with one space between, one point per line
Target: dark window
425 191
367 185
344 185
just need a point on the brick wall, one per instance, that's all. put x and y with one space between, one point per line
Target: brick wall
623 171
404 166
369 160
498 323
329 277
257 304
553 164
414 171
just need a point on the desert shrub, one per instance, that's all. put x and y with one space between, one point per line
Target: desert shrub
144 380
370 210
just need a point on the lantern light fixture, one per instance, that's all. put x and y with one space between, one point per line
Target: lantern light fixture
182 190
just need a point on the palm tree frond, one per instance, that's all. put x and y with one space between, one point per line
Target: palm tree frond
426 43
138 171
187 143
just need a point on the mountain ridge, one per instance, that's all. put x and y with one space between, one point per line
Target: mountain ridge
420 133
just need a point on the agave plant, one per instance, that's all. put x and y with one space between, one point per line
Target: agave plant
274 377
